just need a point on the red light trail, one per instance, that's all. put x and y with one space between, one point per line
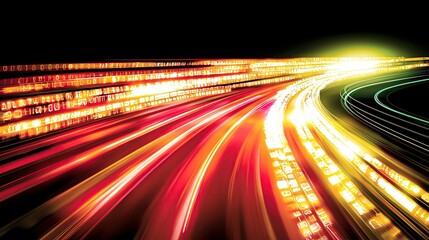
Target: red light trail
197 149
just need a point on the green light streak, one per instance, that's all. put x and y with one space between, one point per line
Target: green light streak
376 98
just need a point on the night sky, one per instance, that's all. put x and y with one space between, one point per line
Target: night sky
179 36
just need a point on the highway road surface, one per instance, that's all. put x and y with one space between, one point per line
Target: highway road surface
307 148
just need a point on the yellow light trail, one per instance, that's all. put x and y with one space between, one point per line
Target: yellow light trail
338 181
354 148
312 179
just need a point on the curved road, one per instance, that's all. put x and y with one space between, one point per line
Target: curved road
247 157
212 177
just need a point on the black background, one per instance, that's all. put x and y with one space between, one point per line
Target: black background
84 33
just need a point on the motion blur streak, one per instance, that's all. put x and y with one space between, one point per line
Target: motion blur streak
103 196
209 159
212 149
397 130
309 99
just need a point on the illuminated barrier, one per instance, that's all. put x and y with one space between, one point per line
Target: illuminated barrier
123 65
350 150
173 63
91 66
20 113
48 82
41 104
120 65
335 179
147 74
19 108
40 83
249 73
338 183
53 101
53 122
374 171
292 183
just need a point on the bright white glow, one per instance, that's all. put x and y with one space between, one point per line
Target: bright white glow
347 195
334 179
150 89
281 184
297 118
346 151
361 210
416 189
400 198
355 65
382 183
